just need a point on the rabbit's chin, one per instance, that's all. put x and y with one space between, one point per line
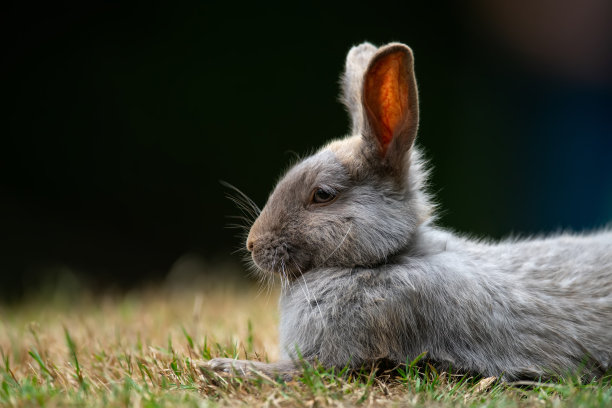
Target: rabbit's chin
285 270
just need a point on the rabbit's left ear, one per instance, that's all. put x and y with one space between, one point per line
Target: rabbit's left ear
390 105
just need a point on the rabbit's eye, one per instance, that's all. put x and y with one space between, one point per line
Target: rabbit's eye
321 196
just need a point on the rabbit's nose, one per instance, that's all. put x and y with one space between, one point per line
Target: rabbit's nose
251 238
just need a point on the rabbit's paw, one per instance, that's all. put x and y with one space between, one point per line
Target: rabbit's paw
228 366
246 368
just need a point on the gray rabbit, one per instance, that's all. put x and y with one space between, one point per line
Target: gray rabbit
367 277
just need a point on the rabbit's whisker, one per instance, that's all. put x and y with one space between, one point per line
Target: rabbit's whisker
242 200
306 297
309 294
339 245
315 300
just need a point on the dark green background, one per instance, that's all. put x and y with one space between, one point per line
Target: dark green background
120 119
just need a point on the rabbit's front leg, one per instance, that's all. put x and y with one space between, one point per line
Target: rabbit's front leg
246 368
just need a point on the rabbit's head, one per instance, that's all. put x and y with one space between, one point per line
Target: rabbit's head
358 200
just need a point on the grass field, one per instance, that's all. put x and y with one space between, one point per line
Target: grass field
142 349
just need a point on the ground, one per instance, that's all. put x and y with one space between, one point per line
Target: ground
144 348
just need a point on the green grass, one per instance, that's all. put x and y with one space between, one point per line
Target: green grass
144 349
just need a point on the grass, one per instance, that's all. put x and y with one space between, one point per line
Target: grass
142 349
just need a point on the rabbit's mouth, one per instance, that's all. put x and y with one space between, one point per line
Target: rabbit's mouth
279 258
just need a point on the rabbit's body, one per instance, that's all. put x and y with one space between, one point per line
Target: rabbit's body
517 308
368 277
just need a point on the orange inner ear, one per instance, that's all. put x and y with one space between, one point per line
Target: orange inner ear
387 85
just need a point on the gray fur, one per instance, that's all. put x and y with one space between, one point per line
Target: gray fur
368 277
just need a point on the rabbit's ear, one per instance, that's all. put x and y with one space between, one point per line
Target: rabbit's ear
390 104
357 61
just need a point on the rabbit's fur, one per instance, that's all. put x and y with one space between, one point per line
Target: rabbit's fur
369 278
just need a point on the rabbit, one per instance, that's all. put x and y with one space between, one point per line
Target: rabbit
368 278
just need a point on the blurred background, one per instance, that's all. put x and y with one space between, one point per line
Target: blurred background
119 119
